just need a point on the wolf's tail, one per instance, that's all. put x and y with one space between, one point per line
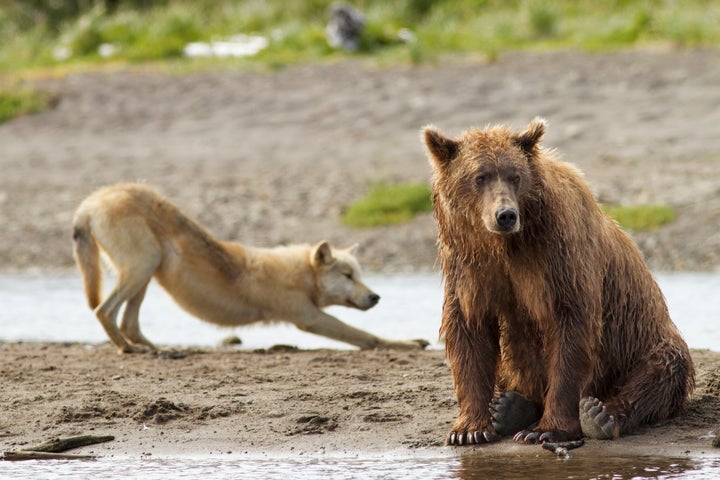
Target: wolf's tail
87 257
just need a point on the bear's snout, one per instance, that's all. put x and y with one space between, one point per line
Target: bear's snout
506 218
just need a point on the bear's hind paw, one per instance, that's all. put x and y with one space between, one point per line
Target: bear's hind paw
511 412
595 420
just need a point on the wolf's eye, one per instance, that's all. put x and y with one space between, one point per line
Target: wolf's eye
348 276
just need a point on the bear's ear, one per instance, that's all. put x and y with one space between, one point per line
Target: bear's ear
442 149
530 138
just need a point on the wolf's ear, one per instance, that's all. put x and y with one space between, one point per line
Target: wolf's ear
442 149
529 140
352 248
322 254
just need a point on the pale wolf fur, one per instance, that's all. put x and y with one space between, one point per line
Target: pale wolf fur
226 283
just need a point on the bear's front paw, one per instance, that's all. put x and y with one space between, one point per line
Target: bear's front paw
542 436
472 437
511 412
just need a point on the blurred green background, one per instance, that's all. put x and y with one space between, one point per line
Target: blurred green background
41 34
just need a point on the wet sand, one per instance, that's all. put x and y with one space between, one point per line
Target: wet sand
278 402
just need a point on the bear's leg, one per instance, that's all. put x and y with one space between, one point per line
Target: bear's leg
560 416
473 359
511 412
655 390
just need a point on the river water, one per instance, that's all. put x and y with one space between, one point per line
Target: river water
463 467
52 308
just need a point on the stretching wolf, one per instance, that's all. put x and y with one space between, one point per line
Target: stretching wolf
226 283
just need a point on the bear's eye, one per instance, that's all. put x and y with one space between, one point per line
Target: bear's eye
515 180
481 180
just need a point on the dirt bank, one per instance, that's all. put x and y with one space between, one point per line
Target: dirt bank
274 158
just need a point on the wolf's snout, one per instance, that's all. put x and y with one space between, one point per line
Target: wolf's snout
365 301
506 218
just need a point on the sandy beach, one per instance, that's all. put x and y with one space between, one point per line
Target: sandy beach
277 402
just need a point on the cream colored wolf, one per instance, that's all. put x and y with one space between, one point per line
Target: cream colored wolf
225 283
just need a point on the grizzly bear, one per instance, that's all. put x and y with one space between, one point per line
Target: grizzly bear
554 326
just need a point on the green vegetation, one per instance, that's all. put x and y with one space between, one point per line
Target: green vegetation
16 101
642 217
397 203
388 205
42 33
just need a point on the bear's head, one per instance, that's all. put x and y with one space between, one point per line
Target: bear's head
483 174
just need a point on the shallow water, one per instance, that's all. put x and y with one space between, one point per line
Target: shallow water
466 467
52 308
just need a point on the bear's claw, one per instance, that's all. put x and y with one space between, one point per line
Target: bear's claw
526 436
535 436
596 422
471 438
511 412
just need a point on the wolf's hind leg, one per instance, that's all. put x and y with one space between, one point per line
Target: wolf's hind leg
129 325
107 312
130 283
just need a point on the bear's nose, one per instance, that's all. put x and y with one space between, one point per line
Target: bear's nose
506 218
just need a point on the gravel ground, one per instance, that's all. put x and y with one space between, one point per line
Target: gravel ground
273 158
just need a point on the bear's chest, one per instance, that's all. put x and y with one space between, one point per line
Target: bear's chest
531 292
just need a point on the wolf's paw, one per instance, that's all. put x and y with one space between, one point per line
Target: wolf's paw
421 343
402 344
511 412
132 349
476 437
595 420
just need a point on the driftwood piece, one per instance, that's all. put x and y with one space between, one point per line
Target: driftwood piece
26 455
561 450
57 445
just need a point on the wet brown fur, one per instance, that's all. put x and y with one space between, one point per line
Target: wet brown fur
563 308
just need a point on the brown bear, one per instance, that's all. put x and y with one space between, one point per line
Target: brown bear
554 326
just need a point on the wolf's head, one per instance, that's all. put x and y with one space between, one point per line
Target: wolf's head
337 274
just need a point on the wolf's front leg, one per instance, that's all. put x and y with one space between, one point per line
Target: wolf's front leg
320 323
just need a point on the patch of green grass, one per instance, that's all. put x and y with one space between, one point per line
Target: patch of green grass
641 217
17 101
388 205
157 30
